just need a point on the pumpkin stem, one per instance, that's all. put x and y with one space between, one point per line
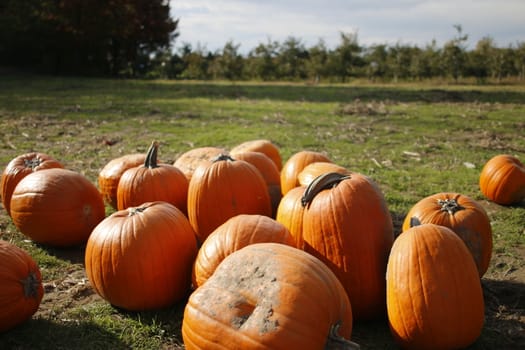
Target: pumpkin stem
32 163
151 156
335 341
450 205
135 210
322 182
222 157
414 221
31 284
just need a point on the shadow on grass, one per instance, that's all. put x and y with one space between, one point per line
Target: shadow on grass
73 255
45 334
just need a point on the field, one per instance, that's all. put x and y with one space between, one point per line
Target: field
412 139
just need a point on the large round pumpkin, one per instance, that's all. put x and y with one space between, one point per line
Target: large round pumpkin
295 164
109 176
56 207
434 294
290 213
347 225
140 258
18 168
463 215
502 179
264 146
222 190
152 182
236 233
193 158
21 289
268 296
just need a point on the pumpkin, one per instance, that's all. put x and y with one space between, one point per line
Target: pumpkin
290 213
21 289
269 172
56 207
190 160
268 296
434 294
236 233
152 182
264 146
18 168
141 258
109 176
222 190
463 215
313 170
295 164
347 225
502 179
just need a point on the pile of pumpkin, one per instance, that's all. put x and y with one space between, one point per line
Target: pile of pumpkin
272 255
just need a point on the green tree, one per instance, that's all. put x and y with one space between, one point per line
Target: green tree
454 54
345 60
229 63
316 63
263 60
292 58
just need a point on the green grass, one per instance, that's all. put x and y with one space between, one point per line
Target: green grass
412 139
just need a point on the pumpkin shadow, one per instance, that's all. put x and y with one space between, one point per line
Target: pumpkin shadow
73 255
40 333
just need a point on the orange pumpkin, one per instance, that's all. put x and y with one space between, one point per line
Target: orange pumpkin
236 233
269 172
502 179
347 225
152 182
18 168
434 294
224 189
21 289
313 170
268 296
190 160
140 258
264 146
463 215
109 176
56 207
295 164
290 213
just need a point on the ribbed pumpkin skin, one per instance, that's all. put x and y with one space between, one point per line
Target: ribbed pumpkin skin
269 172
434 294
502 179
141 258
222 190
190 160
295 164
109 176
18 168
349 228
290 213
313 170
56 207
266 147
236 233
266 296
21 289
467 219
152 182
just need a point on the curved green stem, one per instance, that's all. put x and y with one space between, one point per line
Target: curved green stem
322 182
151 156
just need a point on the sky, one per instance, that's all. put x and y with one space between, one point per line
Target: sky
210 24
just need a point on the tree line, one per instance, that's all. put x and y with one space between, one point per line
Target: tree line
135 38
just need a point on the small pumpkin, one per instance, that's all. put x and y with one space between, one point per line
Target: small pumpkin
191 159
21 289
313 170
18 168
434 294
109 176
502 179
236 233
295 164
347 225
264 146
56 207
141 258
268 296
463 215
269 172
222 190
152 182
